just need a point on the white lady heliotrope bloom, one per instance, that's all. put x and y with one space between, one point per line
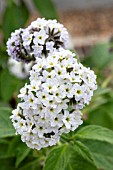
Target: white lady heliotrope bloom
43 114
15 46
40 38
19 69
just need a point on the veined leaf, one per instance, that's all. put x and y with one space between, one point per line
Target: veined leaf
95 133
32 165
81 158
57 159
102 153
6 128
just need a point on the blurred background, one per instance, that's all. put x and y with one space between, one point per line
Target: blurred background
90 25
88 21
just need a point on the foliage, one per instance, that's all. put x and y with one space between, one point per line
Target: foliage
90 147
46 8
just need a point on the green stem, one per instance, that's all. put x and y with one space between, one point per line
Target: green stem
65 138
73 138
107 81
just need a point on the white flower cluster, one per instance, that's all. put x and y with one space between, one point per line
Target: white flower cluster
40 38
19 69
57 83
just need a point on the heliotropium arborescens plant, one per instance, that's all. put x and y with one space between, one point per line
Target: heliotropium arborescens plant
59 85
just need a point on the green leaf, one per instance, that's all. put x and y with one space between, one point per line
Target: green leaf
8 85
23 152
102 91
95 133
32 165
18 149
6 128
102 153
46 8
80 158
4 104
3 150
4 144
14 17
57 159
104 114
100 55
3 56
7 164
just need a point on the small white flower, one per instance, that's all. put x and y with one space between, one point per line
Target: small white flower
27 38
68 119
49 46
51 85
35 85
49 75
39 23
43 97
61 72
30 101
57 120
51 62
40 37
23 92
67 88
38 66
74 78
37 50
78 91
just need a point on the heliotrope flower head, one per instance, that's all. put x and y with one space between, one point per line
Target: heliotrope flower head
19 69
40 38
16 49
57 83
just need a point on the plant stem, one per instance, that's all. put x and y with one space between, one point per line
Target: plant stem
107 81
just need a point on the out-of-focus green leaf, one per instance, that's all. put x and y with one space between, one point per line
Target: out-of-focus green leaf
95 133
103 115
18 149
102 153
80 158
46 8
8 85
3 56
7 164
4 104
102 91
6 128
14 17
57 158
32 165
100 56
3 150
